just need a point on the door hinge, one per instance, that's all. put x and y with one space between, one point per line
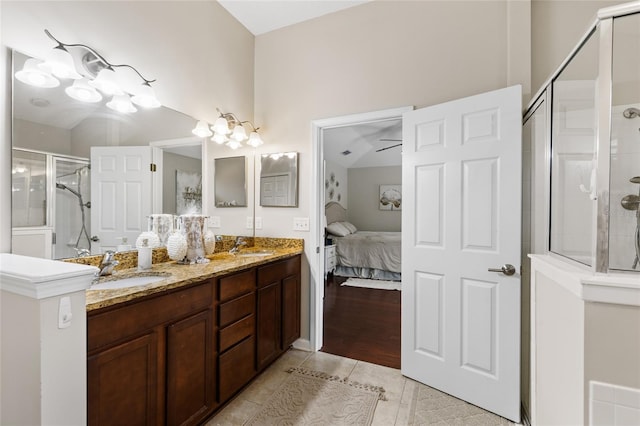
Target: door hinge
53 238
152 167
318 250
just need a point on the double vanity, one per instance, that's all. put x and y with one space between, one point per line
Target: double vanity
175 349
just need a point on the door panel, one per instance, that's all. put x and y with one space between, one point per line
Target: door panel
121 184
461 216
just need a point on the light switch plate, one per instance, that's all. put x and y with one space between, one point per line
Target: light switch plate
300 223
249 222
214 222
258 222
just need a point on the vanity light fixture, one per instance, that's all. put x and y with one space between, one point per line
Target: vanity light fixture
98 75
230 130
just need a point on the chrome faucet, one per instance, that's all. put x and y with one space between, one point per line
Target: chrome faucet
236 247
82 252
108 263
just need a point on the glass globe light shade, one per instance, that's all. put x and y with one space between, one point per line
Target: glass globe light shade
254 140
146 97
202 129
221 126
219 138
107 83
60 63
81 91
121 103
239 133
234 144
33 75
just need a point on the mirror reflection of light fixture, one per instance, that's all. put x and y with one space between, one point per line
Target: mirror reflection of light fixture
98 74
121 103
230 130
33 75
80 90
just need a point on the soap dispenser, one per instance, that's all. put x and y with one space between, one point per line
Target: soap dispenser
144 255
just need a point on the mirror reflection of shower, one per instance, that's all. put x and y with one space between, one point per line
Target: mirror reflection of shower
71 208
632 202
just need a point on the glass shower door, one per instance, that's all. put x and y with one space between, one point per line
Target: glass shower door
71 217
624 237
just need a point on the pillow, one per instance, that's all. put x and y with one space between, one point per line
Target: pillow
338 229
350 226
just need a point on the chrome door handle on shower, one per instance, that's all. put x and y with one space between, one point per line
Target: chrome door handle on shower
506 269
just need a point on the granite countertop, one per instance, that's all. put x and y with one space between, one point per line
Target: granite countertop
180 275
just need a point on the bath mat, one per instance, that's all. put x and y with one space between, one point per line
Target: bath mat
379 284
310 397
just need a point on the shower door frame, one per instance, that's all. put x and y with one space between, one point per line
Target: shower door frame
51 193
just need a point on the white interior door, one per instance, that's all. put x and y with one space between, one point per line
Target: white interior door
461 215
121 193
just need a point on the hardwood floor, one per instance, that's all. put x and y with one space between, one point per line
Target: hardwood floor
362 323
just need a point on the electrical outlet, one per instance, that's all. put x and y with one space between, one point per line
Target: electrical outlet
249 222
214 222
258 222
300 223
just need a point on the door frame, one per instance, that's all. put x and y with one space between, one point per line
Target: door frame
316 292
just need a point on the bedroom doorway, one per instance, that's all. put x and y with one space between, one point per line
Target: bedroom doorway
364 148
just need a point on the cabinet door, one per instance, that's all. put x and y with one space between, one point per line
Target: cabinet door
290 310
122 383
268 324
190 369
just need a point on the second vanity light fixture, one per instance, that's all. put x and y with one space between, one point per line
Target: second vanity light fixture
229 130
100 77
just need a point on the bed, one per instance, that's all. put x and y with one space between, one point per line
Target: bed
362 254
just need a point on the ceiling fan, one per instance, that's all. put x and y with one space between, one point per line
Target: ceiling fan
390 146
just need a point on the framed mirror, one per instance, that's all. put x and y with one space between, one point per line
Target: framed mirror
230 182
279 179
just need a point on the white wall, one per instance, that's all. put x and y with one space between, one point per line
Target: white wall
557 26
376 56
336 188
364 186
40 137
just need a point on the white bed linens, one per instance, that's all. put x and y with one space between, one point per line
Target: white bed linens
378 250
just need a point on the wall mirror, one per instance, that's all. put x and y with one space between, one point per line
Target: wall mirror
279 179
230 182
54 175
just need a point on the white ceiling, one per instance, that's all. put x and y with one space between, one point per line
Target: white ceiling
262 16
364 141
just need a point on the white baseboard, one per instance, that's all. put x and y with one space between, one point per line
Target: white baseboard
303 345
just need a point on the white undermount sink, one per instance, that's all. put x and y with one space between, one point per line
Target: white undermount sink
113 283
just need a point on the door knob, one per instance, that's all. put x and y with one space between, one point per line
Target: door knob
506 269
95 238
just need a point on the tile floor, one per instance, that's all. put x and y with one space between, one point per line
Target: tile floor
396 410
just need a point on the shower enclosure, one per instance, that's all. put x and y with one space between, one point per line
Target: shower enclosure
590 149
50 204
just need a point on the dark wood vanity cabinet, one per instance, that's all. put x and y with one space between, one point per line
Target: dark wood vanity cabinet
175 357
153 361
278 309
236 335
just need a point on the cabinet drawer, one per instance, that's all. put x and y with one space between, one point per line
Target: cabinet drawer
330 251
236 367
237 331
111 326
278 270
237 308
237 285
